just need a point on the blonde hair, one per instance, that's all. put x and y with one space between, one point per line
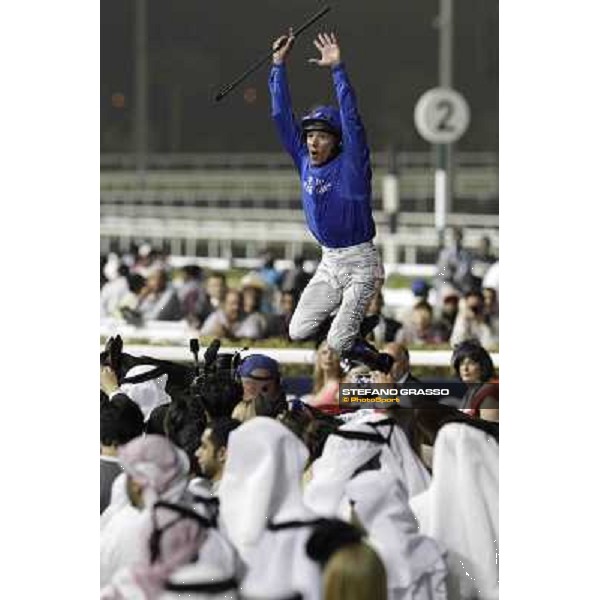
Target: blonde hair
355 572
244 411
319 375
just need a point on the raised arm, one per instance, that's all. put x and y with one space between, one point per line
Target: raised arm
281 102
354 137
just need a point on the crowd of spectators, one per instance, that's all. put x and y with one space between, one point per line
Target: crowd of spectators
230 487
461 302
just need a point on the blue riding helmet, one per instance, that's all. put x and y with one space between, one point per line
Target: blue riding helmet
323 118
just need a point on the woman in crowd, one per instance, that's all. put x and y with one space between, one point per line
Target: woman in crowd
474 366
326 377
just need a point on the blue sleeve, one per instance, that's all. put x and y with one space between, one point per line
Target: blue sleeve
354 137
281 111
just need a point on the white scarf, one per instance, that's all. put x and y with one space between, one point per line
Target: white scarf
341 457
147 394
460 509
261 480
414 564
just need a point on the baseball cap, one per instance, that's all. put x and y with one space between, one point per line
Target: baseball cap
420 287
258 361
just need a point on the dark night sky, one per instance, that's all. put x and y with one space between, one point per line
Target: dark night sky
389 46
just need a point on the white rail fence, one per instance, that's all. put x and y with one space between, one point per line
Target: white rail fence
172 338
289 356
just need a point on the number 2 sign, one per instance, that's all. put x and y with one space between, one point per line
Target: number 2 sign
442 115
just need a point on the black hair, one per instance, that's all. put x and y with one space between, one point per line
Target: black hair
123 270
192 271
184 424
135 282
329 536
423 304
156 420
475 351
220 429
121 420
311 425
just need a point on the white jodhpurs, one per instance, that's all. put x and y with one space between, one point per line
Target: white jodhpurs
346 279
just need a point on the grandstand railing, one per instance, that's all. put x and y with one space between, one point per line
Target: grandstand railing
232 205
291 356
276 160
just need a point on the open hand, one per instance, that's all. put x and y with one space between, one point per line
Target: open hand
280 56
327 45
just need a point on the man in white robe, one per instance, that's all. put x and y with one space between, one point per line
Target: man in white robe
460 509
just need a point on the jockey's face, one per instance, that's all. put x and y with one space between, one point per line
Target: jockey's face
321 146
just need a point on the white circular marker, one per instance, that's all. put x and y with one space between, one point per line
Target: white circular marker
442 115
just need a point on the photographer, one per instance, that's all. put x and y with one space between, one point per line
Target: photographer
263 392
471 323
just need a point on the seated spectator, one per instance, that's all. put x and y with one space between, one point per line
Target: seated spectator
483 259
191 294
454 263
254 292
113 292
121 420
490 309
492 279
471 322
419 330
296 278
231 323
327 376
212 452
278 324
147 261
263 392
268 273
400 371
386 329
103 262
420 290
216 288
448 311
474 366
128 306
158 300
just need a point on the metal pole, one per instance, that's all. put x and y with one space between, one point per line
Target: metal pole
444 172
141 84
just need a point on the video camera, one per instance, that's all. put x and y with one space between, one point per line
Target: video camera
216 385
